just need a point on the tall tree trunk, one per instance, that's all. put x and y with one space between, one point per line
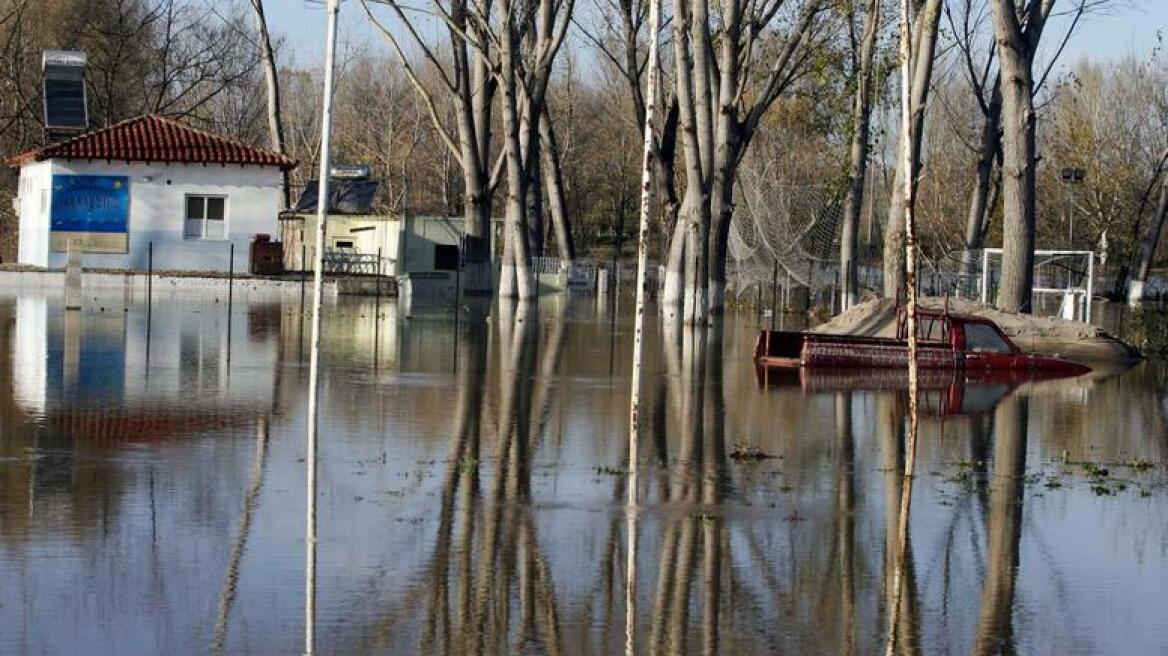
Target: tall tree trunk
928 17
554 185
516 279
979 201
1147 252
695 208
474 97
695 214
1018 160
534 190
1017 41
672 295
272 79
858 158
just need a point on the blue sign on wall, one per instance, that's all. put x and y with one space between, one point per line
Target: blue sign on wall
90 203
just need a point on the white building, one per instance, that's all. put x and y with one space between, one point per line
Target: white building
147 182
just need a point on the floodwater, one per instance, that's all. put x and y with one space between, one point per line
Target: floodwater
474 482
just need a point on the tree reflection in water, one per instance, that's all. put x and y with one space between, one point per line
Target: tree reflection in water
995 632
489 586
513 534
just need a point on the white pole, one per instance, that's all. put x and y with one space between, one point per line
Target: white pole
1090 284
985 274
631 568
643 246
333 8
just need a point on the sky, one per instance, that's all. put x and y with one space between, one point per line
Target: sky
1131 27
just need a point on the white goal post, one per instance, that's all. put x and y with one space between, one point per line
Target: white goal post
1065 273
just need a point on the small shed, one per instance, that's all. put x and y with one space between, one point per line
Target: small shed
408 244
149 183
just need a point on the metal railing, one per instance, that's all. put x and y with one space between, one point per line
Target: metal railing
345 261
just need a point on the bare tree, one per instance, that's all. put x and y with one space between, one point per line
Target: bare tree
465 80
858 154
718 119
980 72
617 37
984 78
272 79
1018 29
1147 249
927 16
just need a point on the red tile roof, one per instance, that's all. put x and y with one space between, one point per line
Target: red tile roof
154 138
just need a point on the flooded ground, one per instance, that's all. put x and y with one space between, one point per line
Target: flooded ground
473 482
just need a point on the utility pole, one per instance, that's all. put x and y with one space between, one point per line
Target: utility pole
332 9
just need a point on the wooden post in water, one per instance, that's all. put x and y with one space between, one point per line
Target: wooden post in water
230 274
643 246
910 320
230 294
149 300
332 9
149 276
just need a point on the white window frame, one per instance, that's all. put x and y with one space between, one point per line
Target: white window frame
203 221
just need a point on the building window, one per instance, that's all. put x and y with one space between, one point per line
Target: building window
445 257
206 217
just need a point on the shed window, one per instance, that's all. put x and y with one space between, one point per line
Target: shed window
206 217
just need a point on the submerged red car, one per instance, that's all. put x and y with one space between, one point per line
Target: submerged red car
945 340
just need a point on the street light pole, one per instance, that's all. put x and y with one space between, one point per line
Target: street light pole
1071 177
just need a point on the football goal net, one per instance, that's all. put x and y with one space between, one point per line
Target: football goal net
1064 281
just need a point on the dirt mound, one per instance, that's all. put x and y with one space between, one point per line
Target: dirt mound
1073 340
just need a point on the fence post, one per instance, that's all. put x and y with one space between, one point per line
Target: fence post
230 273
149 276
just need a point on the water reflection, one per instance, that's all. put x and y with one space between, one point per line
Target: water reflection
1003 519
474 479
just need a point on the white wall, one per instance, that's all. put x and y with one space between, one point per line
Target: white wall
29 349
157 212
33 208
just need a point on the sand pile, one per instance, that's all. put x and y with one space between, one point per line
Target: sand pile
1073 340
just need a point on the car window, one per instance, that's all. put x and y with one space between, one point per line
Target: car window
984 339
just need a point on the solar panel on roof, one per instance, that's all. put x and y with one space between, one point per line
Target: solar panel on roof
65 104
64 90
345 196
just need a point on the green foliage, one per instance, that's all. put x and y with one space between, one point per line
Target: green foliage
1146 327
